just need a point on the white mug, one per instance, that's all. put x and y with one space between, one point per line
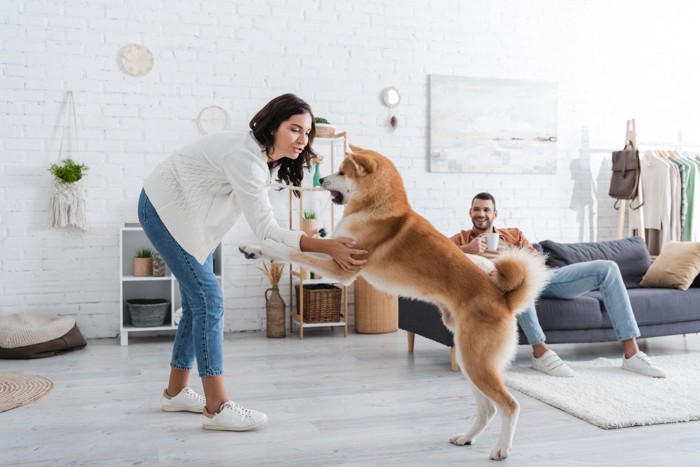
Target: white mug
492 241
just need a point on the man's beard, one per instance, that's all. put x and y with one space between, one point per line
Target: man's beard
486 228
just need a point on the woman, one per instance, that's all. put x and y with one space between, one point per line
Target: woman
187 205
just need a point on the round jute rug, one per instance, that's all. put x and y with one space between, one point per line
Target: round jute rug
18 389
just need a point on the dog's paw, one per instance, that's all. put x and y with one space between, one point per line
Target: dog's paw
500 453
250 252
461 439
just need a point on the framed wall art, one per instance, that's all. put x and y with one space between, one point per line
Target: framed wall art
491 125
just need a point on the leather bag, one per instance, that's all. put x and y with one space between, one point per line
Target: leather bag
625 174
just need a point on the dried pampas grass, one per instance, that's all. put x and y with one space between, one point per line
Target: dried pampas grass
273 272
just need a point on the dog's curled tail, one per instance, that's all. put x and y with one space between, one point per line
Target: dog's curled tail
521 275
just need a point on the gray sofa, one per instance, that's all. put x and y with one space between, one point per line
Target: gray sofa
659 311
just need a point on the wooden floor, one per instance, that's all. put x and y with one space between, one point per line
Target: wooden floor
355 401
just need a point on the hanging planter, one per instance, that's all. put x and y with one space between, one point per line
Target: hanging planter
68 202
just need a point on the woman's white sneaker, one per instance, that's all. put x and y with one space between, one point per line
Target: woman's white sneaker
186 401
642 364
233 417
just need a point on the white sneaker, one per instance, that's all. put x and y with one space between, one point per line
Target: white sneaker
186 401
233 417
550 364
642 364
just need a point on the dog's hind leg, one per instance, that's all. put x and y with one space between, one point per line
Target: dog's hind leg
490 382
485 410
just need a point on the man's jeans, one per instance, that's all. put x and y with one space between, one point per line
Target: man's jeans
200 332
576 279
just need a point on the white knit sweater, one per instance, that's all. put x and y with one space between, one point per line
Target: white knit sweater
200 191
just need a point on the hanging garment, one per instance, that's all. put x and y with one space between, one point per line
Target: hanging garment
692 231
655 183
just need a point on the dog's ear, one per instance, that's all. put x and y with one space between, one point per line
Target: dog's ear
362 164
354 148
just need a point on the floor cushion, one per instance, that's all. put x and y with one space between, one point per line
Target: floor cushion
32 335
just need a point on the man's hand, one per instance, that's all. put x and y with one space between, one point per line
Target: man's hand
476 246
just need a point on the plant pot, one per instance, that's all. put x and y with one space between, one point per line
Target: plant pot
143 266
310 226
324 130
275 309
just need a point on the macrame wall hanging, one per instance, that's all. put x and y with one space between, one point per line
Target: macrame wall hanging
68 202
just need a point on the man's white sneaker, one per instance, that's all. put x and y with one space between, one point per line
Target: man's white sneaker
642 364
550 364
186 401
233 417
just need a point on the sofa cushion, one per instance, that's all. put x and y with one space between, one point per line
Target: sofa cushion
677 266
658 306
580 313
630 254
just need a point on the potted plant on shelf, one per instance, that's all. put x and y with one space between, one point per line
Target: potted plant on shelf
143 262
68 202
275 307
324 129
309 223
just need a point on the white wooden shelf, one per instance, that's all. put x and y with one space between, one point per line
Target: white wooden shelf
166 287
295 278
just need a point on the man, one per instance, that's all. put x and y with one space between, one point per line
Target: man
567 282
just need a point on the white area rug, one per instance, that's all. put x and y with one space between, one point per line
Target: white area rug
605 395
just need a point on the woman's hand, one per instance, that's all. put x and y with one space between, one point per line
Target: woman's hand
341 249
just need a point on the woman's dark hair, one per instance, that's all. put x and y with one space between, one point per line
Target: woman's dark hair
268 120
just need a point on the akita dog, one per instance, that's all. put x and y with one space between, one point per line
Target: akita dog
409 257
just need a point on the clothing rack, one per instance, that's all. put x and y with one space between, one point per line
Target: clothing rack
631 135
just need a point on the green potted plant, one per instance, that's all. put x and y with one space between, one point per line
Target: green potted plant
68 203
309 223
68 171
324 128
143 262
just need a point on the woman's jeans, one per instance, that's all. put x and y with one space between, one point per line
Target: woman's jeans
571 281
200 332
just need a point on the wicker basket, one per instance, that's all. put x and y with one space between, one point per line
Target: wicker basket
324 130
147 312
321 303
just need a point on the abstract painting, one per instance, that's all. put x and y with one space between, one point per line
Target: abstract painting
492 125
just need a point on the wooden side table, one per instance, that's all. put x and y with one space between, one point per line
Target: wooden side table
375 312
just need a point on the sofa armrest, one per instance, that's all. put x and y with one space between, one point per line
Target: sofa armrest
423 319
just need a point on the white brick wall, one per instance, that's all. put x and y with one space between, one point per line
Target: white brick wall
612 60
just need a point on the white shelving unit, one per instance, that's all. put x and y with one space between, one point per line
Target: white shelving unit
130 240
336 147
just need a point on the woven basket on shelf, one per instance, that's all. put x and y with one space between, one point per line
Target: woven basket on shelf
321 303
148 312
324 130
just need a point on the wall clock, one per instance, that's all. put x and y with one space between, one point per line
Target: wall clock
136 60
212 119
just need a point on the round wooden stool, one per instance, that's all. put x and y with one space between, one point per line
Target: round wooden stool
375 312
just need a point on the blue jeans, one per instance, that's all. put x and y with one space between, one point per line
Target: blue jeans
200 332
570 281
